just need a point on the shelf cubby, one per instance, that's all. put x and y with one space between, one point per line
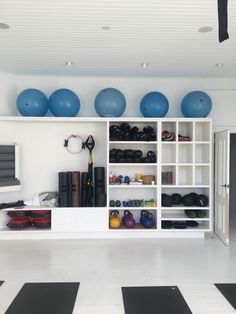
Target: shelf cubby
185 129
136 215
185 175
169 126
202 175
185 155
202 131
202 153
168 175
168 153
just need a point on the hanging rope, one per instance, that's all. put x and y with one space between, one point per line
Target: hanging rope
223 20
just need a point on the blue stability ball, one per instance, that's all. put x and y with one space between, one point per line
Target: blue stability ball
154 105
110 102
32 103
196 104
64 103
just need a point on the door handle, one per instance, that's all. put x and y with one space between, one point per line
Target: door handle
225 186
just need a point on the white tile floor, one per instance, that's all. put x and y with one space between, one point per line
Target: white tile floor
103 266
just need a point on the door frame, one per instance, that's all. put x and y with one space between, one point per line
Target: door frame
232 130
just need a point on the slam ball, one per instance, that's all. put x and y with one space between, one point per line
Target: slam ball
64 103
154 105
110 102
196 104
32 103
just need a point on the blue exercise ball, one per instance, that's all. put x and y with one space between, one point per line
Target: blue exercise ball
196 104
154 105
110 102
32 103
64 103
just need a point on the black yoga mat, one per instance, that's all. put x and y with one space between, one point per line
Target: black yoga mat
229 292
154 300
45 298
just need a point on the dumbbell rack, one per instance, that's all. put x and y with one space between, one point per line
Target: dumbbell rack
189 162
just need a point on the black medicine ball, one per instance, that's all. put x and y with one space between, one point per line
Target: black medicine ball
188 200
202 200
166 200
176 199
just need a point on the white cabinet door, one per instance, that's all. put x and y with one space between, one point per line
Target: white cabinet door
222 168
79 219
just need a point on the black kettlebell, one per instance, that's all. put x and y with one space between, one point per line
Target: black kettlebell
152 156
112 152
202 200
141 136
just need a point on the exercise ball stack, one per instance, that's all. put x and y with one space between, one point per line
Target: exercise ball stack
154 105
32 103
64 103
196 104
110 102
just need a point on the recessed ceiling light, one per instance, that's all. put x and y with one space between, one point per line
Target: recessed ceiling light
205 29
69 63
105 28
144 64
4 26
219 65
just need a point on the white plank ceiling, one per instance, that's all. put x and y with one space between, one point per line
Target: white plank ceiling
44 34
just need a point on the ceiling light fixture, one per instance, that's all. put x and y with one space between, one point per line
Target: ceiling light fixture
144 64
4 26
219 65
205 29
105 28
69 63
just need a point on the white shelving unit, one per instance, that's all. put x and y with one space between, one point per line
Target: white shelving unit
43 156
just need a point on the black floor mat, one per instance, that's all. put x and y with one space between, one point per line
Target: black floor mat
45 298
154 300
229 292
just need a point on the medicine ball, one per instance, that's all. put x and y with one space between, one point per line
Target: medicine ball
202 200
194 196
176 199
188 200
166 200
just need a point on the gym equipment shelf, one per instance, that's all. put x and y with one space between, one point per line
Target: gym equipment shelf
189 161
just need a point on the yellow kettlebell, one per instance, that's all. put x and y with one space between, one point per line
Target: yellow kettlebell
114 220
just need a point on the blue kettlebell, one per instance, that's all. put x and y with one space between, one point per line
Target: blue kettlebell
146 219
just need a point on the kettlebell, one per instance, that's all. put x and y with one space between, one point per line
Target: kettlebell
147 220
114 221
128 219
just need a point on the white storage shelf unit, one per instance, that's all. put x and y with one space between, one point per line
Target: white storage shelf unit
43 156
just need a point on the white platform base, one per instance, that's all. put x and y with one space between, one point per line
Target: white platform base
21 235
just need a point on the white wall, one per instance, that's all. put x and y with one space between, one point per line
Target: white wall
8 92
221 90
